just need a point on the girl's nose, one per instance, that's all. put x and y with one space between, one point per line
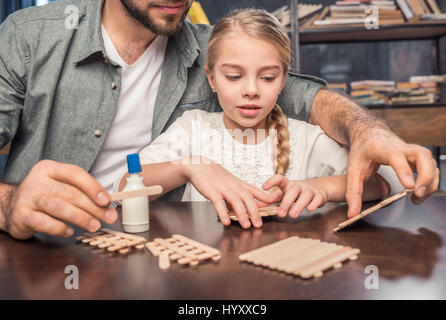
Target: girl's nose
250 89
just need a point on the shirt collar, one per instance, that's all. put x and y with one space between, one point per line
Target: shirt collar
90 32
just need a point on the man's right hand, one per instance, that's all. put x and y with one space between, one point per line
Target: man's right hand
52 195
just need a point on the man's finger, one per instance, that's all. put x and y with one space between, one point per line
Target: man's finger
399 162
62 210
355 184
41 222
81 179
74 196
425 168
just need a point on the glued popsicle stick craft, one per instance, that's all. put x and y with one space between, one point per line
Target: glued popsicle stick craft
148 191
113 241
370 210
306 258
264 212
182 250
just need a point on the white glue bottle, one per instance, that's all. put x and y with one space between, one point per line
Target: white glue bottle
135 211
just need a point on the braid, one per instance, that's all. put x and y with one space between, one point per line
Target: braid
278 121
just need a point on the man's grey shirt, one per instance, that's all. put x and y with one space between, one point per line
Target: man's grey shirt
59 92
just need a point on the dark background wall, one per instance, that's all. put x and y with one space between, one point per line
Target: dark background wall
396 60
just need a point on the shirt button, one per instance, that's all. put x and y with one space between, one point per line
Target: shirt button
98 133
113 86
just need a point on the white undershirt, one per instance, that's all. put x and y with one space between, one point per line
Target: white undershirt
131 129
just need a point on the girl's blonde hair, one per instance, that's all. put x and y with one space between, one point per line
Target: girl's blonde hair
264 26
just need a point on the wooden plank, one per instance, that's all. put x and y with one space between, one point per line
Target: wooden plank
424 126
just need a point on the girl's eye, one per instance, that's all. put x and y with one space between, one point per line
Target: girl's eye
233 77
268 79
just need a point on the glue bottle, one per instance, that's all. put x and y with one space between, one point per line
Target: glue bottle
135 211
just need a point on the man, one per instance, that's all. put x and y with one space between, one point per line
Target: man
84 97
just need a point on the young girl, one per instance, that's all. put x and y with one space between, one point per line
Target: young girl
252 140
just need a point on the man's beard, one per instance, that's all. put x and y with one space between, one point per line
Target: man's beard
144 18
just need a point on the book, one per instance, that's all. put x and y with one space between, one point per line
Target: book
433 6
197 14
407 85
406 10
424 6
428 79
304 11
433 16
416 7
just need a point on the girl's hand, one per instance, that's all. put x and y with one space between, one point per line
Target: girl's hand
309 194
219 185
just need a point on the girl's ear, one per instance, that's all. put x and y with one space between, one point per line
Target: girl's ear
210 78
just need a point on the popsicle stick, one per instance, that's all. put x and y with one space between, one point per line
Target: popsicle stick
154 249
265 250
306 258
196 244
296 251
183 250
334 260
271 260
319 254
264 212
122 234
372 209
113 241
175 249
148 191
164 261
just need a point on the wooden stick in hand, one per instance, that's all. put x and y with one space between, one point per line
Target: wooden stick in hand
149 191
370 210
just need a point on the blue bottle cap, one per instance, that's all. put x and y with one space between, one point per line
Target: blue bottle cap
133 163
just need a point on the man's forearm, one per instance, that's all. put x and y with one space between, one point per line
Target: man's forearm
6 194
342 119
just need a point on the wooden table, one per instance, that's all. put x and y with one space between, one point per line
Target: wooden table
406 243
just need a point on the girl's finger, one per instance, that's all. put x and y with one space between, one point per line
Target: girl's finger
239 208
221 210
305 198
253 210
290 196
317 201
273 181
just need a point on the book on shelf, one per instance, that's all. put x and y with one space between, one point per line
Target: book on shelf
419 89
338 87
197 15
304 11
415 10
361 13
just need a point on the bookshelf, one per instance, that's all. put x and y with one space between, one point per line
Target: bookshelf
409 31
415 123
